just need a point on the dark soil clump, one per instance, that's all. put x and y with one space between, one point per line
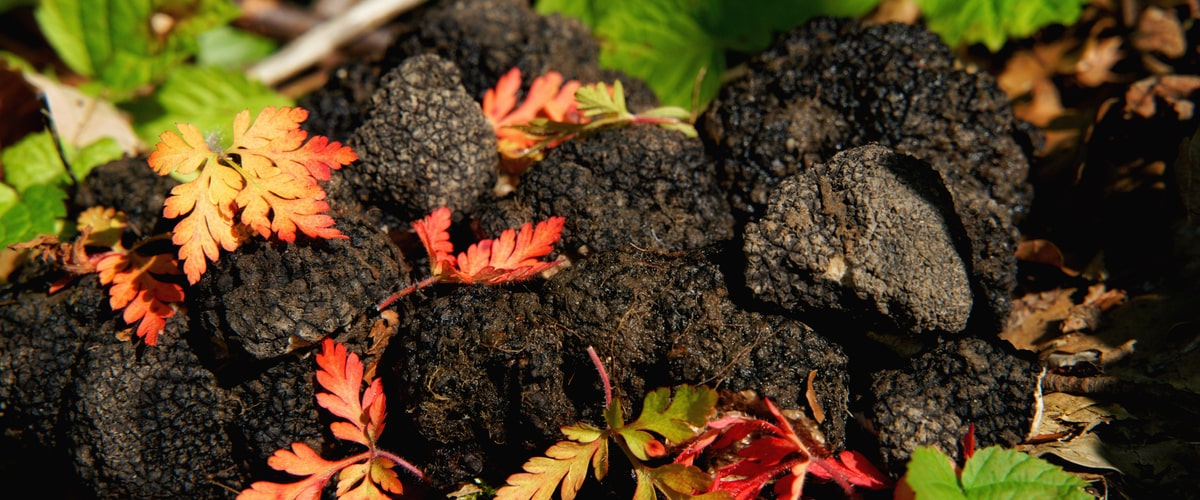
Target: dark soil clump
497 371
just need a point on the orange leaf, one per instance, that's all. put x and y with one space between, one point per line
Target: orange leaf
366 475
301 460
434 233
269 176
135 289
340 374
511 257
548 97
282 204
276 137
206 203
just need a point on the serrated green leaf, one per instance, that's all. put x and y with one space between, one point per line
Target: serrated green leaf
676 420
34 160
95 154
565 463
31 161
231 48
113 41
205 97
16 226
995 472
39 211
993 22
595 99
931 475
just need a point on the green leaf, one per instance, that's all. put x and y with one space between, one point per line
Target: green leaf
39 211
8 198
678 481
231 48
931 475
671 43
995 472
93 155
114 41
595 99
676 420
205 97
993 22
32 161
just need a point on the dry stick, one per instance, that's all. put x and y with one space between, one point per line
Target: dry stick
326 37
1107 385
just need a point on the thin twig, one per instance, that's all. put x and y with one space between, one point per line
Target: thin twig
326 37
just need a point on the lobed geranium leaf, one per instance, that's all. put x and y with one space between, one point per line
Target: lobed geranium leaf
996 472
126 44
993 22
137 289
600 99
565 463
367 475
266 179
674 419
203 96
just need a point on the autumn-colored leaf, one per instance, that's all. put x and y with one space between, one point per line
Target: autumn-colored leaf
777 452
136 289
266 180
367 475
548 98
434 231
566 462
510 258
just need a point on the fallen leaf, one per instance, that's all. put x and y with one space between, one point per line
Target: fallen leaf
1159 31
1094 68
81 119
1086 451
1142 97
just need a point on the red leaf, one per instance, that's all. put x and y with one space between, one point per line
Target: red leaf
548 97
511 257
434 233
968 442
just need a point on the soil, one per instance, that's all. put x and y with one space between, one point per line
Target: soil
892 240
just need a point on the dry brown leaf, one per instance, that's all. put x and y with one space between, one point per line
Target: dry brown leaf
1142 96
895 11
1034 316
381 332
1021 72
1043 252
81 119
1159 31
1086 451
1094 67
